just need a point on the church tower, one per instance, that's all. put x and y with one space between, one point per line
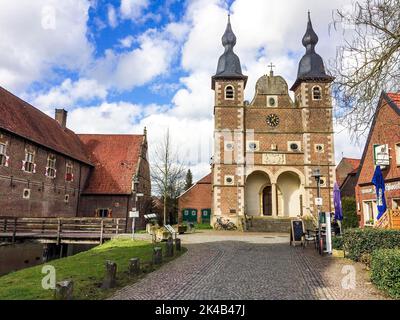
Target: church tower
312 90
229 84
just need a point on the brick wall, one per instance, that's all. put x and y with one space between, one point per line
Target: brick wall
47 195
198 197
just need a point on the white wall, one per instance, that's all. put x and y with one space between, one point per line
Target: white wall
289 192
254 183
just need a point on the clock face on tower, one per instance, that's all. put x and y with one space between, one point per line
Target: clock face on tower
272 120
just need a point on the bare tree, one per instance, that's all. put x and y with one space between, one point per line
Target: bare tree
167 173
368 62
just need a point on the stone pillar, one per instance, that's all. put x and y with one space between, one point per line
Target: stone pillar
134 266
157 255
274 200
110 276
64 290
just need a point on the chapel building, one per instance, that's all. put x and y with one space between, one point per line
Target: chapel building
266 151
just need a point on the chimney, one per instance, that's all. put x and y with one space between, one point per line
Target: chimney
61 117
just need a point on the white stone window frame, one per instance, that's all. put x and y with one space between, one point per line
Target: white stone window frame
4 159
257 143
313 94
226 143
227 183
51 171
275 99
289 143
26 194
316 147
66 198
397 150
324 179
29 165
226 90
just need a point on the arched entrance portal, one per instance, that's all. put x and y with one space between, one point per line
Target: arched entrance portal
258 194
289 195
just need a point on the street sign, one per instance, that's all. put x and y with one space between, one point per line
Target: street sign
133 214
139 194
318 201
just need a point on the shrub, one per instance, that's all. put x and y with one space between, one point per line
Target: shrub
337 242
359 241
349 208
385 271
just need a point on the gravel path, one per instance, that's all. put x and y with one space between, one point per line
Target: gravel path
240 266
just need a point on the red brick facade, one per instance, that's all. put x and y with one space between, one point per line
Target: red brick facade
346 176
198 198
384 130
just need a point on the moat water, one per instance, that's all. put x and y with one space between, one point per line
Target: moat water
19 256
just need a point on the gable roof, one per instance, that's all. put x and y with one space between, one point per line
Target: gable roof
22 119
115 159
355 163
393 100
204 180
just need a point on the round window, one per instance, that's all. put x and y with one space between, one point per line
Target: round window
26 193
229 146
294 146
318 147
253 146
321 182
229 180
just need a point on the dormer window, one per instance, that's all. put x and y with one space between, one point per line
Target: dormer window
229 93
316 92
51 166
3 155
28 165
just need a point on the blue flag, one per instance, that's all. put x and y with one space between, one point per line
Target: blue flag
379 183
337 202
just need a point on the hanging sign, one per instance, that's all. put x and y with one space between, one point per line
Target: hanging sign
381 155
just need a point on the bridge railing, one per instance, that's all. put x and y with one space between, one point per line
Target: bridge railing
101 227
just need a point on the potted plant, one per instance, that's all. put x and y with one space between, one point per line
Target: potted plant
182 228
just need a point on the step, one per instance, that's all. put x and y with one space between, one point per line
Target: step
269 224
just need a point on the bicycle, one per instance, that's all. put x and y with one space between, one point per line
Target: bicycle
220 224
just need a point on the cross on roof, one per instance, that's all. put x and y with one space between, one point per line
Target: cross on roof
271 66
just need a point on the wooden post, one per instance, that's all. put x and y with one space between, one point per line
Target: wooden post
134 266
157 255
101 231
43 222
14 230
111 274
170 247
64 290
59 231
117 230
178 246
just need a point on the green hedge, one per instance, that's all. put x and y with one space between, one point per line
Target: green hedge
337 242
349 208
357 242
385 271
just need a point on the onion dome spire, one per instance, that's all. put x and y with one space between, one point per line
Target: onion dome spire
311 66
229 66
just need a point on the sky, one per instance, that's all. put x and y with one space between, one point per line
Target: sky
119 66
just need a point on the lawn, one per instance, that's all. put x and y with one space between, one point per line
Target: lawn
86 269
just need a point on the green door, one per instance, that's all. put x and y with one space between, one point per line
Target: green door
189 215
205 215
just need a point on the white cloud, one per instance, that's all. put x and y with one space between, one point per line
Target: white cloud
68 94
133 9
38 35
112 16
127 41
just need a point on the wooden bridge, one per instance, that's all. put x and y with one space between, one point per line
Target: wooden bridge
61 230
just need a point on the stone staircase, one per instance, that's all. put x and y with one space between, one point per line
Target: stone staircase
268 224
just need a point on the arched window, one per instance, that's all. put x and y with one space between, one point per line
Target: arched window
229 93
316 92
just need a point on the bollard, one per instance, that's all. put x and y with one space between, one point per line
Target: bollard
170 248
178 246
134 266
110 276
64 290
157 255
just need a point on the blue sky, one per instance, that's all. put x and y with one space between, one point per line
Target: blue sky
120 65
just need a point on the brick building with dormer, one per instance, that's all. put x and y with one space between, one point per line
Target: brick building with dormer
266 150
46 170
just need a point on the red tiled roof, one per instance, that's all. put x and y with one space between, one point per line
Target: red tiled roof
24 120
355 163
395 97
115 158
205 180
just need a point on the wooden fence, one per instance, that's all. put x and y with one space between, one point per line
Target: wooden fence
61 230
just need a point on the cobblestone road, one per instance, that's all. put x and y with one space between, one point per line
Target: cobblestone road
239 266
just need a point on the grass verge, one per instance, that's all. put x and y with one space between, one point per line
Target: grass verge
86 269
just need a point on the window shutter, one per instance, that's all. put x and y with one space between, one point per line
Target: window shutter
55 173
34 168
23 165
46 172
6 163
